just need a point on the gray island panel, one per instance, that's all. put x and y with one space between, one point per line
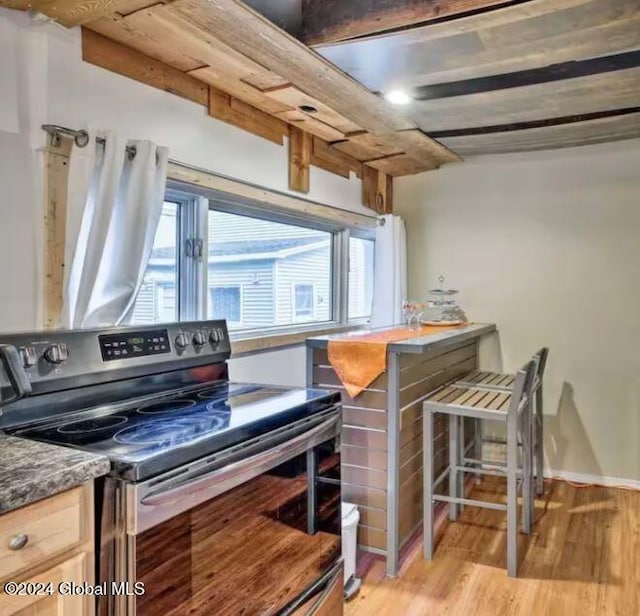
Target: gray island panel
381 444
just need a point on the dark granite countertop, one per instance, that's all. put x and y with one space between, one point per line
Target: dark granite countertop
30 470
418 344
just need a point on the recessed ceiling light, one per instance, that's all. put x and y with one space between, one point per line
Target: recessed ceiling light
398 97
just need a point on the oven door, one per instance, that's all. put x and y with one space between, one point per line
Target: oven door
252 533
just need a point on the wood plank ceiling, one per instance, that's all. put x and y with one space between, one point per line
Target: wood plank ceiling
535 74
248 72
486 76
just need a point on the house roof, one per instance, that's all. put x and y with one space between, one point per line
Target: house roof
264 249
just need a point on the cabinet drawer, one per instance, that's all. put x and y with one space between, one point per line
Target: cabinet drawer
51 526
71 572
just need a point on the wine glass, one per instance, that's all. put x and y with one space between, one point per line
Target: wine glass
419 311
406 313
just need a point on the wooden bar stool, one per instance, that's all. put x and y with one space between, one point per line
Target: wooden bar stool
513 408
504 382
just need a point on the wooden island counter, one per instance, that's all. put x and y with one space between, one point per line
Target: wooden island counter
381 444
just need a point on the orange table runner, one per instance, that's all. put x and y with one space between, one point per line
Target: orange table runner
360 359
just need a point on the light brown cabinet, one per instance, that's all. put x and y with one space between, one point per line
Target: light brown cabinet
46 550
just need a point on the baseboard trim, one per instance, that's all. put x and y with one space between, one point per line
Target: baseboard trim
599 480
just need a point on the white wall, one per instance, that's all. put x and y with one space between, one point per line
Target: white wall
46 81
547 246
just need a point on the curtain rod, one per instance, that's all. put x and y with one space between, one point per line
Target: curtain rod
80 137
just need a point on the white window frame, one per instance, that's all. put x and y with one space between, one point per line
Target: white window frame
240 287
370 236
200 194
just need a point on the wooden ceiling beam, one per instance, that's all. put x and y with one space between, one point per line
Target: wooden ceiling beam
103 52
330 159
242 115
330 21
71 13
249 33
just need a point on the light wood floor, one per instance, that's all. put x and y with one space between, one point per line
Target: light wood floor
583 559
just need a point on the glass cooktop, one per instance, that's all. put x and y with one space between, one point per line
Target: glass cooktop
142 438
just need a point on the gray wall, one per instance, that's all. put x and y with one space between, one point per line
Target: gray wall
547 246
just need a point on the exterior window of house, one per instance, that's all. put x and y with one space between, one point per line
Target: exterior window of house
267 260
303 302
226 303
166 302
156 301
361 253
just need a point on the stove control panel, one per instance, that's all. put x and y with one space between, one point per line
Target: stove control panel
117 352
134 344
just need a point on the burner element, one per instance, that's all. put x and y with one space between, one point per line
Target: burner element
166 432
92 425
166 407
212 393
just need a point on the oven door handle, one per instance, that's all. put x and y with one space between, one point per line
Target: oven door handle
221 480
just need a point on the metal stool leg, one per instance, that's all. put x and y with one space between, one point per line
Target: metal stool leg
427 477
512 496
527 470
539 442
461 475
453 462
532 487
477 446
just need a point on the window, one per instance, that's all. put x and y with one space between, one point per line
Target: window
303 302
216 256
156 301
361 253
226 303
284 270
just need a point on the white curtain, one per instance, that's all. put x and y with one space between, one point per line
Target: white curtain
114 204
390 273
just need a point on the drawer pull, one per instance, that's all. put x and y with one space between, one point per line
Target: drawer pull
18 542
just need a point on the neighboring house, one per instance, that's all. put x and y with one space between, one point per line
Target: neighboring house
252 284
255 282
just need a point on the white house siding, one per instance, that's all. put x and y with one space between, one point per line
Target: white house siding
151 304
312 267
255 277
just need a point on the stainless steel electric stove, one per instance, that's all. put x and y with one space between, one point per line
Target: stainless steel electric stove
204 471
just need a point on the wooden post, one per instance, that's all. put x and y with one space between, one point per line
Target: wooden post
55 220
369 186
384 198
377 190
299 159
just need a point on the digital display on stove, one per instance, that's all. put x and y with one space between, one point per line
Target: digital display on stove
125 346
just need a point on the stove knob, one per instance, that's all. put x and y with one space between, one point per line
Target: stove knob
182 341
57 353
29 356
199 339
214 336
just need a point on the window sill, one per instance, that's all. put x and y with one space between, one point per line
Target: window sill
242 345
